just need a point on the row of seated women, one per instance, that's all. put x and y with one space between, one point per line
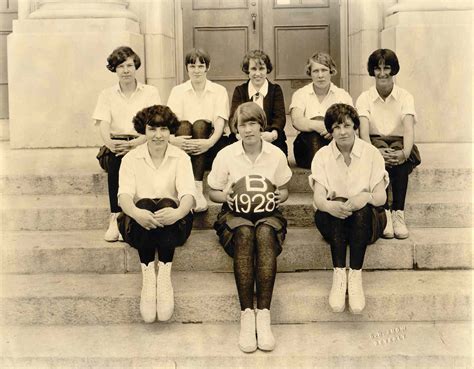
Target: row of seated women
156 160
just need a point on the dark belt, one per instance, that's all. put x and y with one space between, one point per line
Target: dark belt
123 137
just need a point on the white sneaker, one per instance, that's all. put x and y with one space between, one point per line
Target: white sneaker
201 202
399 226
247 338
164 292
265 338
112 233
148 295
337 296
356 291
388 231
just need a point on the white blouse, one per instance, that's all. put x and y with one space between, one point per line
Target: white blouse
140 179
366 170
231 164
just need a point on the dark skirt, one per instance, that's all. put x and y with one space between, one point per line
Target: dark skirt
172 235
227 222
396 143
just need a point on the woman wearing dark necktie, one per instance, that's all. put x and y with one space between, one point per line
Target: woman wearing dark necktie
269 96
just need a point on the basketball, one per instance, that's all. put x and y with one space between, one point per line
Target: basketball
253 197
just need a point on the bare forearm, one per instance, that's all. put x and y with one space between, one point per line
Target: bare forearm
408 135
185 205
127 205
218 131
218 196
364 129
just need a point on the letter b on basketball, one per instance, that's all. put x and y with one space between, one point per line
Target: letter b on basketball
253 197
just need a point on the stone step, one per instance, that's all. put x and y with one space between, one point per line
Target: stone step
69 212
325 345
49 299
95 182
35 252
445 167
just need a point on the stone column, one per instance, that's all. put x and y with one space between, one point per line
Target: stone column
433 40
157 22
365 25
56 60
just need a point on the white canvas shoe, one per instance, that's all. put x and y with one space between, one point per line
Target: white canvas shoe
337 296
265 338
148 295
164 292
356 291
201 202
112 233
388 231
399 226
247 337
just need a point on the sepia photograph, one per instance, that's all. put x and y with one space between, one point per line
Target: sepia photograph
236 184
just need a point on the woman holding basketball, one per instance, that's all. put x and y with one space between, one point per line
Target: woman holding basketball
253 241
348 178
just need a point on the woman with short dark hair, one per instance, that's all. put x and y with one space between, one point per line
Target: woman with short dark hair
387 120
202 107
269 96
349 180
115 109
156 194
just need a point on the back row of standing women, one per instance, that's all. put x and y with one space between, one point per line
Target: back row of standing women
156 191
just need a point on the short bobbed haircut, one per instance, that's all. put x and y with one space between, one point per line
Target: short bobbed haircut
337 114
155 116
321 58
197 54
119 55
247 112
383 55
260 57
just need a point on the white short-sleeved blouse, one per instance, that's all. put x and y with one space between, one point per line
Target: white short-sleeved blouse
386 116
231 164
366 170
117 109
172 179
305 99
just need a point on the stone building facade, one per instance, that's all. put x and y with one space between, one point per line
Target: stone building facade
53 51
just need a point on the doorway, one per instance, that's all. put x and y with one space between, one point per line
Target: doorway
289 31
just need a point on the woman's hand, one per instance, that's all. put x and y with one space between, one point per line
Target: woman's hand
269 136
118 147
339 209
167 216
180 141
357 202
197 146
229 198
146 219
397 157
325 134
387 156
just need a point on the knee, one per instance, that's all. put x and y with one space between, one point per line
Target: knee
146 203
185 128
166 203
362 216
201 128
264 233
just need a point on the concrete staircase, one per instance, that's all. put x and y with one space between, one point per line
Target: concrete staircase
71 300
